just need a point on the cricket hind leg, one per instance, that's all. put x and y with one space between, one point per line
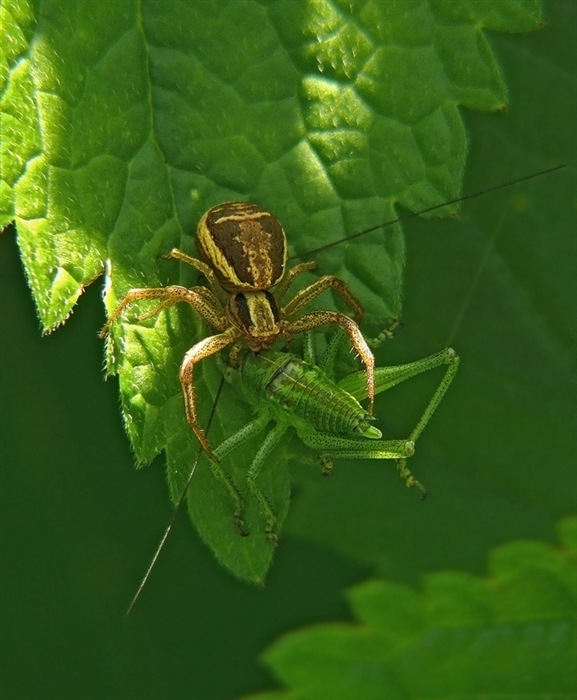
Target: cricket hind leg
388 377
409 479
385 378
451 359
330 447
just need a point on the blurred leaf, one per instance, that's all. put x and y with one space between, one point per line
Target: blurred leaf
511 634
122 123
499 285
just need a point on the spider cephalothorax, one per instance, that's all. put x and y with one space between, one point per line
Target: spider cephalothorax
244 253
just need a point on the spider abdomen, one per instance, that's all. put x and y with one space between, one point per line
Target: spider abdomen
244 244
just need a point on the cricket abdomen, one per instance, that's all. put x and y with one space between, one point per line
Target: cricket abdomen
305 392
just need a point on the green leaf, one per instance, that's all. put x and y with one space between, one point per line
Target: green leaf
511 634
498 459
122 123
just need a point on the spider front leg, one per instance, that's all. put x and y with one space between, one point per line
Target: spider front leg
306 295
315 319
204 348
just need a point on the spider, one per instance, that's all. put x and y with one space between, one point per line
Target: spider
244 251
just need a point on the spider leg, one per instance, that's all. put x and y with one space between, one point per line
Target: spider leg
206 270
290 275
202 301
196 292
306 295
314 319
204 348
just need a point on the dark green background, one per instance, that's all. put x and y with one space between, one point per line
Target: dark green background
78 530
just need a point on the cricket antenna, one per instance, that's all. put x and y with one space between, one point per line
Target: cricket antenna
412 215
177 508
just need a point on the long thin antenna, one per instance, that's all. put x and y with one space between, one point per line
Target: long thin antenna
475 280
412 215
178 506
